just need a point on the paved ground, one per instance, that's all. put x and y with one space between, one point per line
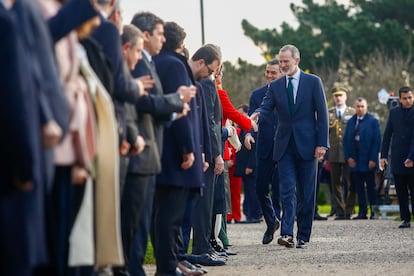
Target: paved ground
371 247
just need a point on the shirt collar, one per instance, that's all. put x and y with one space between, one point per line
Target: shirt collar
294 76
147 55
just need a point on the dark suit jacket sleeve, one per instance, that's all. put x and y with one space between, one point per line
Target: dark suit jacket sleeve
376 142
348 139
411 148
252 105
159 105
69 17
125 87
267 106
322 115
13 114
214 123
387 136
205 130
131 124
251 157
181 129
156 103
53 103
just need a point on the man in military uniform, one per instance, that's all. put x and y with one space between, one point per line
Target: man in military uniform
338 118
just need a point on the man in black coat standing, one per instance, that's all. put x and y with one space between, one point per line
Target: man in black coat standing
399 133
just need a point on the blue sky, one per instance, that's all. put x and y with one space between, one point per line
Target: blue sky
222 21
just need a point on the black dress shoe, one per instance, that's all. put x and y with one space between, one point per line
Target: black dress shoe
193 271
360 217
205 259
404 224
270 231
332 213
286 241
319 217
301 244
192 266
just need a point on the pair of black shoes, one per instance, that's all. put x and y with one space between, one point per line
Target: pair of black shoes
270 231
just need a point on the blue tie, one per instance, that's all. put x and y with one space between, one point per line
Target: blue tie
290 96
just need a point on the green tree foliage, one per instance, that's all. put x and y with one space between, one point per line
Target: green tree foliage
329 33
241 79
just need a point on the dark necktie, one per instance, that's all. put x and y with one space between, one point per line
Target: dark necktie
356 133
339 115
290 96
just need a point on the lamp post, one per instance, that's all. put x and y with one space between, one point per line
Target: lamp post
202 21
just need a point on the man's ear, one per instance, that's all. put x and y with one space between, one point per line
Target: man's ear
125 47
147 35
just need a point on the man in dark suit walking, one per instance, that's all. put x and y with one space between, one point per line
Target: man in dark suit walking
267 172
361 142
301 139
399 133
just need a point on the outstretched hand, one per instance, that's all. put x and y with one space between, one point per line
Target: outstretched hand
253 118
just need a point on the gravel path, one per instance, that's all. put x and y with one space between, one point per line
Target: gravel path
363 247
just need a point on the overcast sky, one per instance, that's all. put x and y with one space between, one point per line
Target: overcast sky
222 21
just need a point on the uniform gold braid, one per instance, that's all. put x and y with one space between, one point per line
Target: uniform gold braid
335 124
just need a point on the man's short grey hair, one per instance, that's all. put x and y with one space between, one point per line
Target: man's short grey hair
293 49
131 34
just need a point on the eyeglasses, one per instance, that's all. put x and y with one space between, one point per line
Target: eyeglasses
210 71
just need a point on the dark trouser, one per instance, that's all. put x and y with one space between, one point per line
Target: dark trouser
167 219
202 214
359 179
66 201
344 205
139 244
404 186
123 170
251 204
297 192
184 241
267 175
132 206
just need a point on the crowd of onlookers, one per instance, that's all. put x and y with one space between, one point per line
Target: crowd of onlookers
114 134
